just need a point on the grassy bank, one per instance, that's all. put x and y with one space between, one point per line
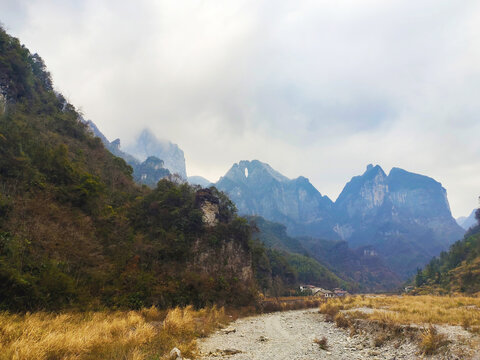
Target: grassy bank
128 335
407 310
136 335
416 319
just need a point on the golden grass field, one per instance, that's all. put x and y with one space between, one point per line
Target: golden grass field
136 335
416 318
127 335
151 333
407 310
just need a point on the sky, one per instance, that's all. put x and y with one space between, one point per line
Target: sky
314 88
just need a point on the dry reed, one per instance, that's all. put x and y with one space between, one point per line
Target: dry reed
135 335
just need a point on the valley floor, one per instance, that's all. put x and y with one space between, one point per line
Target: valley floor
294 335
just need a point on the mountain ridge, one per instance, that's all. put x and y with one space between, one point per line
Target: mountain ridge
404 216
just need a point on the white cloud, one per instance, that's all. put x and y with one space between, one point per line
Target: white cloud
315 88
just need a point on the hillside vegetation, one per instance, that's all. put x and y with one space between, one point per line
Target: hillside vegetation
457 270
76 231
286 262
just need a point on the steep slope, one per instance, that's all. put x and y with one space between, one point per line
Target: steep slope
148 172
147 144
257 189
466 222
297 266
457 270
76 231
199 180
404 216
362 266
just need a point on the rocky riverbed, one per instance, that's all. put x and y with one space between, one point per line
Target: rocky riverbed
292 334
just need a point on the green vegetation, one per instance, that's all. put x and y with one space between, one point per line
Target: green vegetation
282 263
457 270
76 231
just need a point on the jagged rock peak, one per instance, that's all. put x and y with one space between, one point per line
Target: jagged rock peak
147 144
254 170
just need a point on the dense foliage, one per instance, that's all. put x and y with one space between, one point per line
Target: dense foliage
75 230
284 263
457 270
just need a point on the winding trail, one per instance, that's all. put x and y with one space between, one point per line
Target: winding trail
290 335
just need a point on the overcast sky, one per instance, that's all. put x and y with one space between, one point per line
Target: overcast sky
314 88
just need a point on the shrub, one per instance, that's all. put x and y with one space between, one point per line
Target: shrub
330 310
342 321
322 343
432 341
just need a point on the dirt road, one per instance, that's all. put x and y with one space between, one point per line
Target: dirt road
290 335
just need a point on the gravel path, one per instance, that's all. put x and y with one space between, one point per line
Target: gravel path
290 335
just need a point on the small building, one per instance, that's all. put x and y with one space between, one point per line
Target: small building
307 288
324 293
340 292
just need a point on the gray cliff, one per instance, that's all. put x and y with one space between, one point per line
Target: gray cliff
147 144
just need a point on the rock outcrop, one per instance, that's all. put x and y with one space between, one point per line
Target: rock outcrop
208 203
148 172
257 189
147 144
403 217
466 222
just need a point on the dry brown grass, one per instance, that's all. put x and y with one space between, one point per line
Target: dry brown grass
322 343
406 310
289 303
135 335
431 341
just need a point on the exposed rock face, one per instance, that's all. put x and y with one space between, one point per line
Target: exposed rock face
209 206
404 217
114 146
257 189
148 172
466 222
147 145
229 258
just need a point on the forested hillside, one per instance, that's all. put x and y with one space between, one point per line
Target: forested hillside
286 263
75 230
457 270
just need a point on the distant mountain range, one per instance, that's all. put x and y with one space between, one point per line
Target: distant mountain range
148 163
199 180
147 144
361 269
467 222
404 217
257 189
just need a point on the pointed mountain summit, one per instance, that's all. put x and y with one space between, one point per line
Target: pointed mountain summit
404 216
258 189
363 195
199 180
468 222
147 144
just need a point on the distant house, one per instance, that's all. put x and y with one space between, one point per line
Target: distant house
323 293
307 288
340 292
